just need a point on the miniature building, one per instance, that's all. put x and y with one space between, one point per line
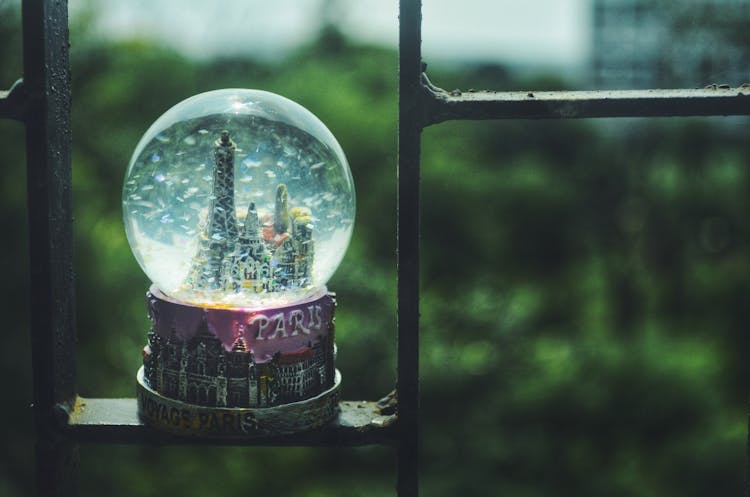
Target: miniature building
201 371
221 229
249 264
267 258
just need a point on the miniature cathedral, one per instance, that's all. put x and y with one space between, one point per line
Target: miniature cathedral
273 256
201 371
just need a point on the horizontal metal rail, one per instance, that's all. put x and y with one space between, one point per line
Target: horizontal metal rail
13 102
440 105
117 421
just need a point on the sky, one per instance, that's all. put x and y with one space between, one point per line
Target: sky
543 32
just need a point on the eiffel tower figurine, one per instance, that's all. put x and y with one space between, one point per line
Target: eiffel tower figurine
219 235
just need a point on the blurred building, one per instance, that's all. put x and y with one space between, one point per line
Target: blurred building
657 44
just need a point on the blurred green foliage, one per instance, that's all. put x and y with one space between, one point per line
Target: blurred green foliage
585 285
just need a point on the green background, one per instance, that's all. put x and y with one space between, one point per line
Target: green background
584 286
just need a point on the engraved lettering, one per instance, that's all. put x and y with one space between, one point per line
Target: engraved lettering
203 420
262 325
214 423
248 423
311 316
163 414
296 318
228 420
280 326
174 416
319 322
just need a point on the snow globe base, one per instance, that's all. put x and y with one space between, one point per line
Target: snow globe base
239 372
182 418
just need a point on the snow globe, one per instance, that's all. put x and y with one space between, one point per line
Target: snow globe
238 205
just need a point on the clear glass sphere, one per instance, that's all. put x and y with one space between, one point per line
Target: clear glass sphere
238 198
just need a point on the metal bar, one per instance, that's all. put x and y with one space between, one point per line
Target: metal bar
116 421
409 134
13 102
440 105
49 183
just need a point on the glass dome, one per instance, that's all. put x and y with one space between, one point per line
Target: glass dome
238 198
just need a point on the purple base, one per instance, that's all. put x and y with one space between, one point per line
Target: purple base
264 332
237 358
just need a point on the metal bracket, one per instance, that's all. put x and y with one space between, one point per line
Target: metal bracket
116 421
13 102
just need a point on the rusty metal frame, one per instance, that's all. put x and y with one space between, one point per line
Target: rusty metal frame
410 120
42 102
422 104
440 105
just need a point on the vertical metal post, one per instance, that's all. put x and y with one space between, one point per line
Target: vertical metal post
409 134
49 183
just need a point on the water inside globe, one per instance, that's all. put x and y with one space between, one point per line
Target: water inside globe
238 210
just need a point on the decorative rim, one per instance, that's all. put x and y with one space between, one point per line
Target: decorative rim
181 418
